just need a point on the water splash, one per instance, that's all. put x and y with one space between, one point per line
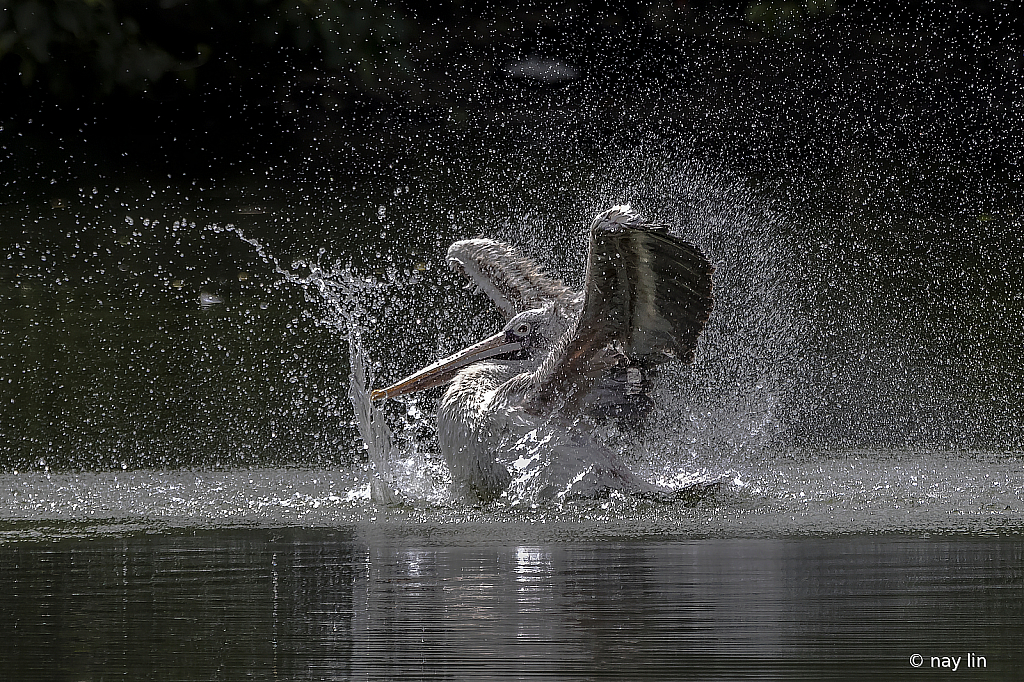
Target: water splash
349 303
779 369
377 437
731 403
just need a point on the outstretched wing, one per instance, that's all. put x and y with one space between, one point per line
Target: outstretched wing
515 283
647 298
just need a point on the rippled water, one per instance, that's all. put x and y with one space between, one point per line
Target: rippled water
356 603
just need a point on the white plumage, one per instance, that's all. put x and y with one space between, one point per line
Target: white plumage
514 419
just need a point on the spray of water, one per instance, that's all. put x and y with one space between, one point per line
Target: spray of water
703 412
347 302
780 367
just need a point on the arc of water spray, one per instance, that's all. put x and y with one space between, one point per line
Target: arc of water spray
373 428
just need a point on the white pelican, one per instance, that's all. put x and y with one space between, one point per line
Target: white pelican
513 420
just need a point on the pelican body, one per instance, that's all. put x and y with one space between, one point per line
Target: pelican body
513 419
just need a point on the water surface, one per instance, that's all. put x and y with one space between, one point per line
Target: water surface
352 603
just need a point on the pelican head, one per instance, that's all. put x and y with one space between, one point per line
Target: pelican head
525 339
536 330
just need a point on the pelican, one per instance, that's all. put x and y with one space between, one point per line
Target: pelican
514 419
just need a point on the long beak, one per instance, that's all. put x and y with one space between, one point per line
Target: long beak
443 371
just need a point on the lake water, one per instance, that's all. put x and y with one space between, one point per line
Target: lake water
373 602
183 494
819 566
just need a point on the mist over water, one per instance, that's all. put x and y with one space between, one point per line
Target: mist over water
863 353
852 361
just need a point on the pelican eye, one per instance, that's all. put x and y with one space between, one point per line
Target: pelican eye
522 329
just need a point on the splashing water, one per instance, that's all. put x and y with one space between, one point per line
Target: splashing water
398 472
375 433
754 392
346 301
811 416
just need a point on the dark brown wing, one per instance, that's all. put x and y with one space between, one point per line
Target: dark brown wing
647 298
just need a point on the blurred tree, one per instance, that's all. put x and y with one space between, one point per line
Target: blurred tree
76 44
787 18
95 47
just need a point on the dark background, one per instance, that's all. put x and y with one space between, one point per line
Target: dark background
864 163
197 88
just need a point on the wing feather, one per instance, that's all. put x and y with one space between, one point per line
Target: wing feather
647 298
514 282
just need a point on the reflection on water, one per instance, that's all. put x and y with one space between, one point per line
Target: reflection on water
345 604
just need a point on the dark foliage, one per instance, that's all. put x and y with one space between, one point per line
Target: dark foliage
234 77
